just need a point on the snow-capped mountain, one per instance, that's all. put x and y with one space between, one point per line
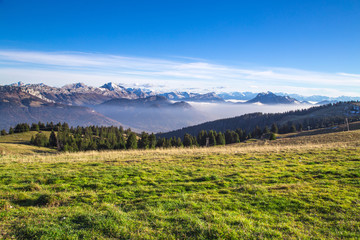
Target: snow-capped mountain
271 98
238 95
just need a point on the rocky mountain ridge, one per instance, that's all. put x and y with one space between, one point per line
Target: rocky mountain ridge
83 95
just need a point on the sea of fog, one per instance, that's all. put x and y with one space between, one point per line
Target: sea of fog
214 111
160 119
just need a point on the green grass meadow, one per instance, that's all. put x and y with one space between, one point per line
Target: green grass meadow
233 192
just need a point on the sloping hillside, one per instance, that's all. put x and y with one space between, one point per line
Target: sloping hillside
18 106
320 116
296 188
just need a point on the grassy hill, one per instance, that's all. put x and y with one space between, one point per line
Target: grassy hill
19 143
298 187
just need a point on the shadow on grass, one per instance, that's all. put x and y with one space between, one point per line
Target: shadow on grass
42 200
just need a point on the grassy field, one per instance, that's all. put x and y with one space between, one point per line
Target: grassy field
304 187
20 144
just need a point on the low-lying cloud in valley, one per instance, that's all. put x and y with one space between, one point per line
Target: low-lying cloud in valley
214 111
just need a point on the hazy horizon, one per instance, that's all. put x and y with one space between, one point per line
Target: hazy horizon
199 46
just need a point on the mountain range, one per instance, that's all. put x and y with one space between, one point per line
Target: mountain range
81 94
17 106
113 104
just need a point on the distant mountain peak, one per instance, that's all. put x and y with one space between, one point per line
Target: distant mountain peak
111 86
75 86
18 84
271 98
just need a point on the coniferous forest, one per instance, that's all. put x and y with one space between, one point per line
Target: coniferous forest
72 139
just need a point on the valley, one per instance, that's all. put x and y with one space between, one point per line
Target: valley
135 108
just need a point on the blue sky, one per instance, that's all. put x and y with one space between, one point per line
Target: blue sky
306 47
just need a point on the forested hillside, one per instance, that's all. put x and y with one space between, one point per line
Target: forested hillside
315 117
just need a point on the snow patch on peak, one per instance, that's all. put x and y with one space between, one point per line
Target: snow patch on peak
111 86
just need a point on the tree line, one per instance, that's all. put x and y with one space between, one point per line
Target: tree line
72 139
315 117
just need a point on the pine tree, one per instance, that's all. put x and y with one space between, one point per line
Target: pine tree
235 137
220 139
300 127
41 126
52 139
152 141
257 132
143 142
266 130
34 127
131 142
272 136
274 128
11 130
293 128
3 132
201 138
168 143
32 140
187 140
212 138
40 140
241 133
228 137
160 142
179 143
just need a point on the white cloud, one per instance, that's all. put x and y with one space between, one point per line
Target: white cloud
59 68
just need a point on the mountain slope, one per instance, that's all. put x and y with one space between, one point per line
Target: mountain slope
153 101
152 114
315 116
75 94
271 98
18 106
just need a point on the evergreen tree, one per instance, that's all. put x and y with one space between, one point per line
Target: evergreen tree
235 137
187 140
143 142
201 138
220 139
3 132
257 132
274 128
293 128
131 142
212 138
266 130
152 141
168 143
228 137
65 127
52 139
50 126
32 140
272 136
22 127
242 134
40 140
11 130
41 126
121 144
179 142
34 127
160 142
173 142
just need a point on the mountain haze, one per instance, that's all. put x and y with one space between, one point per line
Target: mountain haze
17 106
